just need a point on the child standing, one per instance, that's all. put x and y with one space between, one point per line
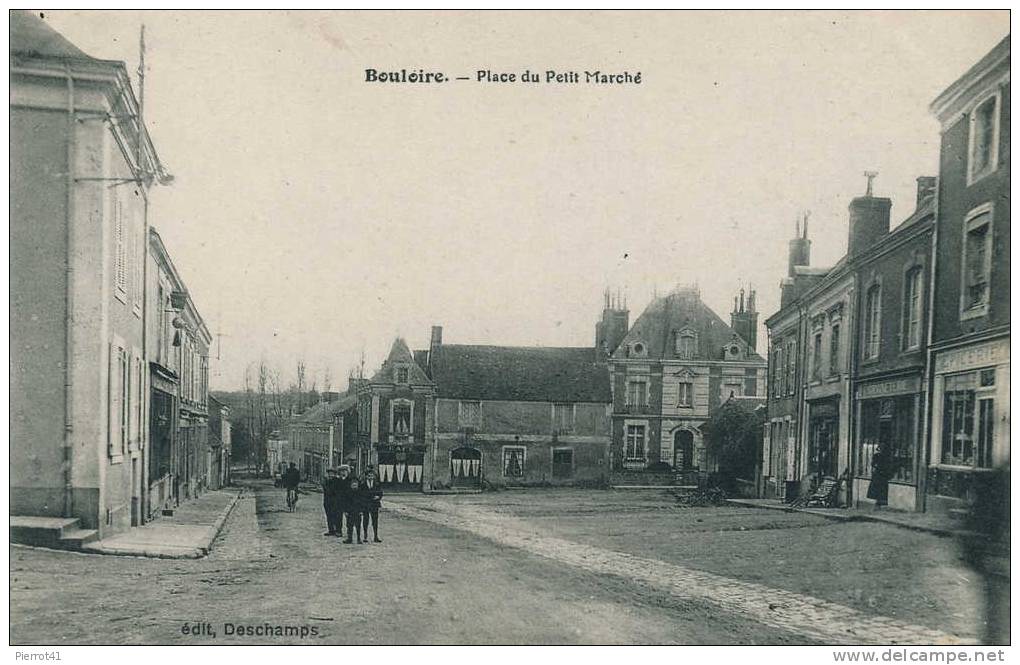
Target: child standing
372 493
355 507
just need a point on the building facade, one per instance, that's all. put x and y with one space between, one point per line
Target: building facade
180 458
670 372
889 364
395 421
847 357
969 355
219 444
323 435
81 165
517 416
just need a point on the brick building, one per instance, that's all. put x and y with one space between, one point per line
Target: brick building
970 336
846 356
889 363
670 372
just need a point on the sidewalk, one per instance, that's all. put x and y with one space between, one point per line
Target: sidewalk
940 525
187 535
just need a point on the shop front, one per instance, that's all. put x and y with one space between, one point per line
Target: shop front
970 424
887 442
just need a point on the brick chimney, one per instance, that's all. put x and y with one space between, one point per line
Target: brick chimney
869 219
434 344
926 185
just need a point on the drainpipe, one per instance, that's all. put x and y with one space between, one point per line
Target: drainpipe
68 507
853 367
928 380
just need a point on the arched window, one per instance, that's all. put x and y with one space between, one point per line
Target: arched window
872 321
912 309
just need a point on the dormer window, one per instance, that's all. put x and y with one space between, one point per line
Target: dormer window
733 350
401 375
686 344
638 349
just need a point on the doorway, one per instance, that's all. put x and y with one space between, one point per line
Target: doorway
465 467
683 450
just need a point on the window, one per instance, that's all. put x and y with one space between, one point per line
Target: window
791 367
872 321
984 138
816 358
513 461
685 394
470 414
118 400
732 389
834 350
912 309
889 425
977 262
563 418
637 393
562 463
400 418
686 344
401 375
968 419
635 444
778 370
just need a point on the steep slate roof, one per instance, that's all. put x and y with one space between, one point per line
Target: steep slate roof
400 354
666 315
324 411
520 373
31 35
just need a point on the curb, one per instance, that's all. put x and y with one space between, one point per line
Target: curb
934 530
217 526
197 552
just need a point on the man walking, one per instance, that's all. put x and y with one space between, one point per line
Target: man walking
330 491
372 494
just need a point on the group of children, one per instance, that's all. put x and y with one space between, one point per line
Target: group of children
359 501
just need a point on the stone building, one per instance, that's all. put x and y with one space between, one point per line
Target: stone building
219 443
970 336
507 415
323 436
178 353
81 167
395 420
672 369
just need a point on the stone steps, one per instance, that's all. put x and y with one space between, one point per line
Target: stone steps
54 532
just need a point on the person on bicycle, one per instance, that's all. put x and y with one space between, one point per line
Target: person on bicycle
291 478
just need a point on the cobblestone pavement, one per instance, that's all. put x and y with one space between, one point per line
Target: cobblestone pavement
813 618
425 584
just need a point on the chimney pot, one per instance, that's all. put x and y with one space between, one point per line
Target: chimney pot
925 189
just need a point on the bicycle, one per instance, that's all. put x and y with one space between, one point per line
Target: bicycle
292 498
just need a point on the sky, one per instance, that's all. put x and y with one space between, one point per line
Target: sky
316 216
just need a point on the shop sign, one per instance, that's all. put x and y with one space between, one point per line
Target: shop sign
902 386
979 355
